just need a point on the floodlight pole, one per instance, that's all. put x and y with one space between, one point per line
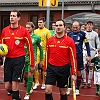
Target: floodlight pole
48 14
62 9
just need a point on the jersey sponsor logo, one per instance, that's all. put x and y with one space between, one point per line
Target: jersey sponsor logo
19 78
63 46
51 45
65 85
17 42
76 42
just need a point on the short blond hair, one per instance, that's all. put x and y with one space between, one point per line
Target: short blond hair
31 23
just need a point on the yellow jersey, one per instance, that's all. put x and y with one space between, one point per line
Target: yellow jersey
44 34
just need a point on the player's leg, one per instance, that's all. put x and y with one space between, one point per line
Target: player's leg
62 80
17 76
43 82
25 74
97 82
8 87
29 86
79 68
7 76
29 77
43 75
69 84
78 82
50 81
48 92
36 76
36 72
90 76
91 70
83 72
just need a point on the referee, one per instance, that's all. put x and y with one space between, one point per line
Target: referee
60 51
15 36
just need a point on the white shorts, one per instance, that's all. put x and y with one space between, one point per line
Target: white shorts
92 52
97 78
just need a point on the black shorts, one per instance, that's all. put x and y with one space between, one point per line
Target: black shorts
80 65
13 69
59 74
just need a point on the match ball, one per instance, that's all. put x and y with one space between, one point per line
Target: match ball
3 49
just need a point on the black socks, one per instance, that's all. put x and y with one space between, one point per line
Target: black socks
48 97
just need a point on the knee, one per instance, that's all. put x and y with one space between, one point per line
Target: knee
91 68
30 74
8 86
79 73
63 91
48 90
15 86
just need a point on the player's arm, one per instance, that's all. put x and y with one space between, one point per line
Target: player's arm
73 57
3 58
30 48
1 37
46 57
41 51
48 34
87 45
93 61
88 49
40 48
97 41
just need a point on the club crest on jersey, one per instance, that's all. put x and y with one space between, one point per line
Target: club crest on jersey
32 40
17 42
43 32
78 38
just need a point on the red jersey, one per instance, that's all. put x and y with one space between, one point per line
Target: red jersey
15 39
61 51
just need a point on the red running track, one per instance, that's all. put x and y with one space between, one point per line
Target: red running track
85 94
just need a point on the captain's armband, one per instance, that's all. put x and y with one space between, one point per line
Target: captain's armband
85 40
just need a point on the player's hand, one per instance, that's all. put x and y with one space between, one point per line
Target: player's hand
45 73
88 59
32 69
36 67
74 77
2 66
41 63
